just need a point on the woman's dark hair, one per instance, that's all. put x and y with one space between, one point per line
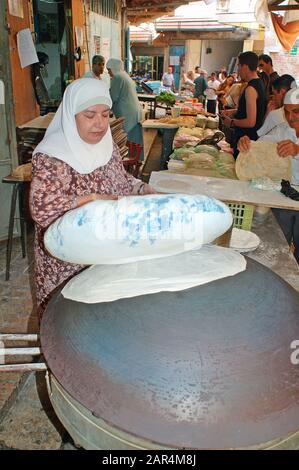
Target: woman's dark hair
249 58
284 81
265 58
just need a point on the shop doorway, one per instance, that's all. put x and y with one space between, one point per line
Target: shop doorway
150 67
177 60
52 25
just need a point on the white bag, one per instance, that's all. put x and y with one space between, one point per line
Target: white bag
136 228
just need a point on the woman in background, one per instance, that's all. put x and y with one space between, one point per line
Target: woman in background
223 90
125 101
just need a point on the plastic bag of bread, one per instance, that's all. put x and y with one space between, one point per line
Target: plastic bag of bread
210 149
199 160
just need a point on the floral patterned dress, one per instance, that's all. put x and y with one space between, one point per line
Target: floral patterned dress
54 189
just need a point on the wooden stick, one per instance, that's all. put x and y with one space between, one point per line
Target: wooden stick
19 351
38 366
282 8
18 337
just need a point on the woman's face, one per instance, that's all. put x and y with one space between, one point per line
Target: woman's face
230 80
92 123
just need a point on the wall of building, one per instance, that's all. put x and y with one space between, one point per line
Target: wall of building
109 33
193 54
103 36
78 20
286 63
283 62
51 75
222 52
24 98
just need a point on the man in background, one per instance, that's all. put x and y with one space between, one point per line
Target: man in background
275 113
168 80
286 135
249 116
97 71
200 84
213 85
266 65
222 75
197 71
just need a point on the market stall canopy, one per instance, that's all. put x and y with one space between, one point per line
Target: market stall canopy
142 11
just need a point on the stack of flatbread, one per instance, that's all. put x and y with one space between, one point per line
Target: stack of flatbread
185 121
23 172
263 160
119 136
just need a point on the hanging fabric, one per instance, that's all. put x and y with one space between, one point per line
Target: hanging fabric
286 33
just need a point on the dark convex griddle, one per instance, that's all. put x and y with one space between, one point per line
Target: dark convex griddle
208 367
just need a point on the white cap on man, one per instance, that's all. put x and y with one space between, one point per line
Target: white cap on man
292 96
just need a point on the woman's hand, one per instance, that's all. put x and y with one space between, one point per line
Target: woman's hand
96 196
81 200
226 120
145 188
149 189
228 112
287 148
244 144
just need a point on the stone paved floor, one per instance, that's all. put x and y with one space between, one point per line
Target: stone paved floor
27 420
31 424
16 310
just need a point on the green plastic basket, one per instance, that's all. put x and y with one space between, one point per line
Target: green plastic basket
242 214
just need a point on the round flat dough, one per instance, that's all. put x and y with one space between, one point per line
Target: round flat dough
262 160
243 240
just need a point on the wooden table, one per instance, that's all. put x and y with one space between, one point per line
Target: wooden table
38 123
220 188
30 134
149 136
151 100
274 252
169 131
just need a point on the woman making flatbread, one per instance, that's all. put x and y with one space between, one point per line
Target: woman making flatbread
76 162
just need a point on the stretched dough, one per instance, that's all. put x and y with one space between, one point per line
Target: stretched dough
262 160
175 273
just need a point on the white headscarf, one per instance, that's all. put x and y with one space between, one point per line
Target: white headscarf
115 65
62 139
